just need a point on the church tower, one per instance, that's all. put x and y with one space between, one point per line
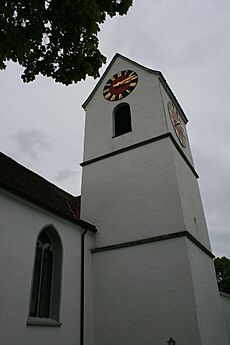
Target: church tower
152 272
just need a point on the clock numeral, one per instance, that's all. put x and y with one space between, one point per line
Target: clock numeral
133 84
108 95
133 77
113 98
177 123
120 96
105 91
119 74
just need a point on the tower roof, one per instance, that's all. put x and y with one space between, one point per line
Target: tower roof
157 73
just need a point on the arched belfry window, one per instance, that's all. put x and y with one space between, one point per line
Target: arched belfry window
122 119
46 285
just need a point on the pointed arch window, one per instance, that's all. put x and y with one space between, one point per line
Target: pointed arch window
46 284
122 119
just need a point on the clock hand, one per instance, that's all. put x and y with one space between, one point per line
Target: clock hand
120 83
124 81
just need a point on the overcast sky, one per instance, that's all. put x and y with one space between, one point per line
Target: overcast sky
42 123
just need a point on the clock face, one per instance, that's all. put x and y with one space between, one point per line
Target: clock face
177 123
120 85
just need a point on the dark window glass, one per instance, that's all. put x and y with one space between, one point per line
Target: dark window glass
41 291
122 120
36 280
46 284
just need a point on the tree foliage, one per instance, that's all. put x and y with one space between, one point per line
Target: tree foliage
222 267
57 38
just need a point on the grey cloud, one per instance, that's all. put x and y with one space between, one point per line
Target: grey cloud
220 239
33 142
64 175
69 180
214 173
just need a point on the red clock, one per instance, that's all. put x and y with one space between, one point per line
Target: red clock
120 85
177 123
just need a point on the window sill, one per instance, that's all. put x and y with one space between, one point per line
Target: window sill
119 135
42 321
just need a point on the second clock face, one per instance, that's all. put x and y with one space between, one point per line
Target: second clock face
177 123
120 85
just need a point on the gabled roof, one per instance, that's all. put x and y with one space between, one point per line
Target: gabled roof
23 182
158 73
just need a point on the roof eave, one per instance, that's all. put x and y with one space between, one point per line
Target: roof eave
105 72
80 222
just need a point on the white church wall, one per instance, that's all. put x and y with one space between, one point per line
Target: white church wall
148 120
209 310
191 203
135 193
88 304
193 213
225 302
144 295
20 224
189 191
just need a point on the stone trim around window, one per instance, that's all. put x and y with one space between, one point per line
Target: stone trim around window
41 321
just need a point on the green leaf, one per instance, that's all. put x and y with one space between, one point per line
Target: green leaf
57 38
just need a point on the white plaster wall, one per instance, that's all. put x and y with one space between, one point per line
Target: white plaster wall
192 208
88 312
147 113
138 188
144 295
225 302
141 193
133 195
209 310
193 213
20 223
